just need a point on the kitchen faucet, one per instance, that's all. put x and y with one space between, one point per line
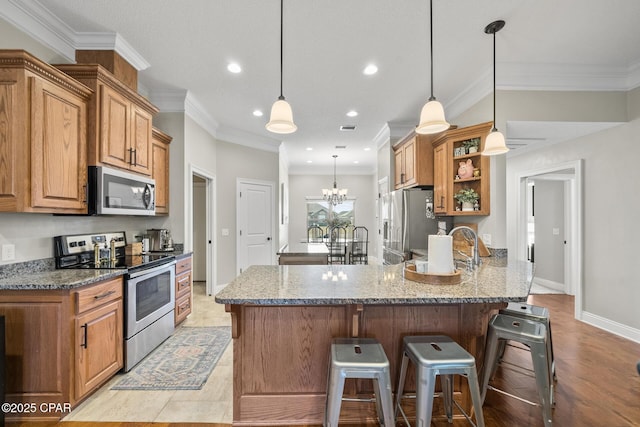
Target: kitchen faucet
464 229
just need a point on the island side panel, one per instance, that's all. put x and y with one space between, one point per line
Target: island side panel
280 363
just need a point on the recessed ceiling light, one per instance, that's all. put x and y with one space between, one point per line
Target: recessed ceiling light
367 148
309 161
234 68
370 70
309 148
352 113
356 161
257 113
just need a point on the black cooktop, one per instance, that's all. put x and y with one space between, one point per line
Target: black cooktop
76 252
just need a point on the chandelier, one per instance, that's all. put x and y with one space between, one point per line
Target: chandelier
334 196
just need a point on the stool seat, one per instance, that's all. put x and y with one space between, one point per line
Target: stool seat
530 333
437 355
358 358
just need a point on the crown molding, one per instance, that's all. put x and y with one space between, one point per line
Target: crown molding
399 130
30 17
236 136
382 137
111 41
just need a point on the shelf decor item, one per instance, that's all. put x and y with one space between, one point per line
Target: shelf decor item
471 145
465 169
468 197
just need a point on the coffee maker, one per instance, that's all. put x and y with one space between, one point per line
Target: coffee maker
160 240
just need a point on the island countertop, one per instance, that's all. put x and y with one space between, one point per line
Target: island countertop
496 280
304 249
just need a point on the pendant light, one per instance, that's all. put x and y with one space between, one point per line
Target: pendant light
495 143
432 115
334 195
281 119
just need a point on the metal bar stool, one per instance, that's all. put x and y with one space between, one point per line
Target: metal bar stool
358 358
438 355
531 333
535 313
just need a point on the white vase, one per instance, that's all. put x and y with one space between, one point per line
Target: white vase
467 206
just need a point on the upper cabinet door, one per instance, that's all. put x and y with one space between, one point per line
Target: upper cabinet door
115 116
58 148
140 143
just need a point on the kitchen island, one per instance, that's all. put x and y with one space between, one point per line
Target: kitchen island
284 317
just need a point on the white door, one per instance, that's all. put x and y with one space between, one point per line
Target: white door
255 224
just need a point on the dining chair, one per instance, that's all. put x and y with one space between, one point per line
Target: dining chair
359 253
337 245
315 234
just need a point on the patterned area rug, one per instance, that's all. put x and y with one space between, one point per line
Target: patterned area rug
183 362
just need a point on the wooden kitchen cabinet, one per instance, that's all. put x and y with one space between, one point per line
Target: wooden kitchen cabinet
160 169
413 160
446 166
98 335
184 282
46 333
43 137
120 120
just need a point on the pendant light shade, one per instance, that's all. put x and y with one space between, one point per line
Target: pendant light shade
432 118
432 115
495 143
281 119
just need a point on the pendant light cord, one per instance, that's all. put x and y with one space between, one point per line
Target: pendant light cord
494 82
281 32
431 98
335 181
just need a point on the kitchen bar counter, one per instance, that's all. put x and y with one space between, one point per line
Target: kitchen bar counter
284 318
304 253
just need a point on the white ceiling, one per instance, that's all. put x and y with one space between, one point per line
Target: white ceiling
546 44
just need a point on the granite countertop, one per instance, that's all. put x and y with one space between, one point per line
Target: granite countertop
496 280
42 275
57 279
305 249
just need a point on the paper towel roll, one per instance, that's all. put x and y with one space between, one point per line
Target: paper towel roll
440 255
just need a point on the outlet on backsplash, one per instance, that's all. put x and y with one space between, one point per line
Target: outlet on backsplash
8 252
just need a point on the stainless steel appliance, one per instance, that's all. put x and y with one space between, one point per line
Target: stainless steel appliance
159 240
115 192
149 289
408 219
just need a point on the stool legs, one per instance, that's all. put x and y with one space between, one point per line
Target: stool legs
362 358
433 356
532 334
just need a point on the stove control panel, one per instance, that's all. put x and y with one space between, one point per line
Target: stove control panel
80 243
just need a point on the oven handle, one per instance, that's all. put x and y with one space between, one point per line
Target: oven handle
153 270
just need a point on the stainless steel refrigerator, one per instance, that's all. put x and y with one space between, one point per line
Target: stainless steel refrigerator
407 221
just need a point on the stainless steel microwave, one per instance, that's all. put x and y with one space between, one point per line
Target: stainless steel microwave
116 192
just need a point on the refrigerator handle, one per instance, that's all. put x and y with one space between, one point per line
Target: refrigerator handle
404 223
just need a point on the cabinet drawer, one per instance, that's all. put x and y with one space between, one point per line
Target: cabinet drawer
183 308
183 265
183 284
99 294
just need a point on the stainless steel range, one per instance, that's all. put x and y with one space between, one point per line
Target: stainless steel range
149 293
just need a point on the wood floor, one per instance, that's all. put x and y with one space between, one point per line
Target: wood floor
598 384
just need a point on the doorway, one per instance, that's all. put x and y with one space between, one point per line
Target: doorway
568 182
201 230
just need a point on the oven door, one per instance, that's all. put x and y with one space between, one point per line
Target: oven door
150 295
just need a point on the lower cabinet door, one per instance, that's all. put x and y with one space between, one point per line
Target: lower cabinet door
99 346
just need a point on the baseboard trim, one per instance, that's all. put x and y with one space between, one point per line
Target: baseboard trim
549 284
616 328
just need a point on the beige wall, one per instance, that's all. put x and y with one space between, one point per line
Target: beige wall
235 161
361 187
610 291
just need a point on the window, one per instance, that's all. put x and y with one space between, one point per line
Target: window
325 215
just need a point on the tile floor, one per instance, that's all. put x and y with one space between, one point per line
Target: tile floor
212 404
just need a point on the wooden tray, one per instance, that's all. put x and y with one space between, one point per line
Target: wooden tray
432 279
